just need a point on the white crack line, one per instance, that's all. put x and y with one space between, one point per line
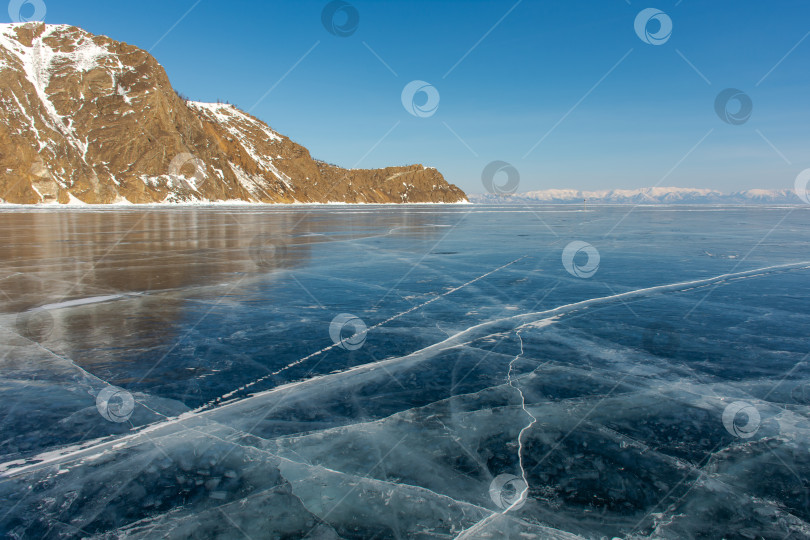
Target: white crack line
523 494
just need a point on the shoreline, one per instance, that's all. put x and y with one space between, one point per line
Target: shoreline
257 205
209 204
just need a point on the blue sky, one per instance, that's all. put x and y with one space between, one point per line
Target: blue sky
535 77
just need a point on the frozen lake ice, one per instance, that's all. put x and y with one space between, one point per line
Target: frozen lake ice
405 372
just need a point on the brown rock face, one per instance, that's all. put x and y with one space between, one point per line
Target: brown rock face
89 119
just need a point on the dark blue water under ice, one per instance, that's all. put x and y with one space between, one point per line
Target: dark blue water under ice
171 373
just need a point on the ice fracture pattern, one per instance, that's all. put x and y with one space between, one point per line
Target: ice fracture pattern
420 372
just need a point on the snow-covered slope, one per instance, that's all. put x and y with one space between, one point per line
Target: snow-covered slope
86 119
655 195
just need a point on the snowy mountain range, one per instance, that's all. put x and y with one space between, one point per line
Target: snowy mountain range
85 119
655 195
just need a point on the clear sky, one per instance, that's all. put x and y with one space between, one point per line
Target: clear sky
566 91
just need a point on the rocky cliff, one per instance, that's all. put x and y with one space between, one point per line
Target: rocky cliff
89 119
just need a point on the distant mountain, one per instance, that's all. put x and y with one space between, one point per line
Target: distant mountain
86 119
657 195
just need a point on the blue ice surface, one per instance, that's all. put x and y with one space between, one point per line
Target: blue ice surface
659 414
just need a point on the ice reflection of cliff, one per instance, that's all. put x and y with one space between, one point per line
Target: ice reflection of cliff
94 296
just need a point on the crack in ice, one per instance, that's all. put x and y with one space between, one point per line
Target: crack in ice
457 340
225 397
523 494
